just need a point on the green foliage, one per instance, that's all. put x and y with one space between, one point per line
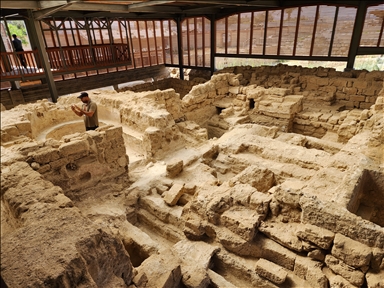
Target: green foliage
18 28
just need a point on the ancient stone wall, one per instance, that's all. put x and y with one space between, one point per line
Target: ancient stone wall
79 160
352 89
181 87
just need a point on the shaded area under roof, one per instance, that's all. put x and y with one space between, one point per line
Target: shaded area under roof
153 9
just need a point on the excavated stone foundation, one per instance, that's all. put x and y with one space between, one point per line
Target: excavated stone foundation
258 177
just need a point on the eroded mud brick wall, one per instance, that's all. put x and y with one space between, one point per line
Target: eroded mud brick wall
79 160
39 216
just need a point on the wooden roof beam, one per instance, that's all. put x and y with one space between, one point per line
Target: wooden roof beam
38 15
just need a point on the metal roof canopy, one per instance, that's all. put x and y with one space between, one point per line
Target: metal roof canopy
153 9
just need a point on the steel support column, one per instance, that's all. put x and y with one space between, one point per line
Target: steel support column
39 41
213 43
180 47
356 34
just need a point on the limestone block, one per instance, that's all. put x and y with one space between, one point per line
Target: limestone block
290 105
113 133
341 96
156 206
260 178
349 90
221 84
254 92
242 222
197 253
339 282
221 91
260 202
114 153
287 195
45 155
325 117
277 91
241 193
351 252
193 227
24 128
282 233
365 105
330 90
339 82
219 281
194 277
357 98
174 167
234 90
234 243
59 163
346 131
317 254
327 126
377 259
271 271
317 235
379 104
42 169
354 276
123 161
160 271
360 84
152 138
10 133
234 80
136 241
160 188
322 81
73 147
372 90
375 280
241 97
173 195
334 218
190 188
310 271
312 86
28 147
275 252
239 103
302 122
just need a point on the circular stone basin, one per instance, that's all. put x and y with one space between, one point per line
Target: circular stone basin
57 132
63 129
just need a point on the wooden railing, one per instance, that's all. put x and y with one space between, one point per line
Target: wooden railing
12 68
63 60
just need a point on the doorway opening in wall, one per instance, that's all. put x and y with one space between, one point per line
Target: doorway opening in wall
219 109
251 103
368 197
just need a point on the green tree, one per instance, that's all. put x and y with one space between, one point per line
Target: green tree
17 27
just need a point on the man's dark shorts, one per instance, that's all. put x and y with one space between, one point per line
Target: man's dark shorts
91 128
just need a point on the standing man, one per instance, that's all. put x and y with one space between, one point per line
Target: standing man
19 48
88 110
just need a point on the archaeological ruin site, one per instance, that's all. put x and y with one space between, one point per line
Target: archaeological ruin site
257 177
240 144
